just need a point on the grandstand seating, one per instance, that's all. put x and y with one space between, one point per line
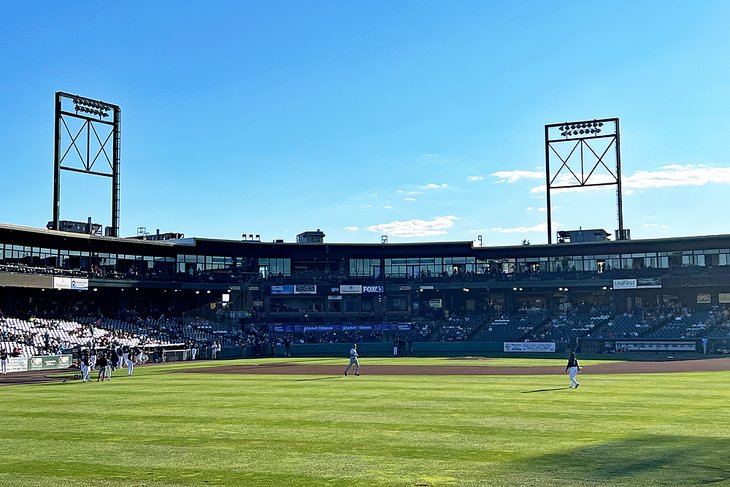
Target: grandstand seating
690 325
42 336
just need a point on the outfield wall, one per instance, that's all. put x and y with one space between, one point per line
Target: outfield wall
377 349
457 349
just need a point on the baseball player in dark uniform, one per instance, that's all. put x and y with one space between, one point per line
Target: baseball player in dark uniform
572 368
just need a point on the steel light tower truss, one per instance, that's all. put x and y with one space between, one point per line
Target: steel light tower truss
582 154
87 148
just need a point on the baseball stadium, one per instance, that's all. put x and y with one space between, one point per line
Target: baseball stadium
165 360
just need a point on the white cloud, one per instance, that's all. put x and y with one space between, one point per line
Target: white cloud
415 228
475 178
400 191
409 199
365 206
665 177
542 227
388 207
352 228
514 176
654 225
435 186
678 175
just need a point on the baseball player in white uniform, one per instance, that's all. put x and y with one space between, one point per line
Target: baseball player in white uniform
353 360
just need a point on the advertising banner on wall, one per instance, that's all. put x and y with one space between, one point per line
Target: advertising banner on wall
305 289
373 289
17 364
640 283
48 362
656 346
284 289
74 283
529 346
624 283
342 327
649 282
723 298
350 289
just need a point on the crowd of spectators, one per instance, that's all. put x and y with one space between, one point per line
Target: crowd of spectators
56 331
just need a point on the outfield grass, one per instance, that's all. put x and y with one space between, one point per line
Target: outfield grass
164 428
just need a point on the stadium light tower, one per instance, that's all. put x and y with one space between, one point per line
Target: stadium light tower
77 150
584 153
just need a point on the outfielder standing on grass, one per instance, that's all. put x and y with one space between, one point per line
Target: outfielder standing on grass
573 367
353 360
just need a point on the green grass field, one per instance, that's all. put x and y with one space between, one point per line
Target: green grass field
165 428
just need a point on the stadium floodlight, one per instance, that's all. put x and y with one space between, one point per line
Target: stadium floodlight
84 140
583 154
580 128
92 107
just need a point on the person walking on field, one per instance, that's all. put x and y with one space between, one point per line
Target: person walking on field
3 361
353 360
102 362
572 368
130 362
85 368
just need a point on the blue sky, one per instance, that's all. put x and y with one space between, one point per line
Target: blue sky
419 120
